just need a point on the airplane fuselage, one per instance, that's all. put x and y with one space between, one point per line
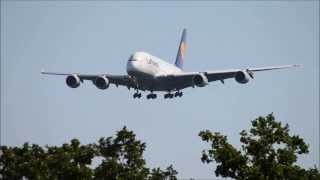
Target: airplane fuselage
145 67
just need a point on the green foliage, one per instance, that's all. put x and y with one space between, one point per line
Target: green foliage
268 151
158 174
123 155
122 158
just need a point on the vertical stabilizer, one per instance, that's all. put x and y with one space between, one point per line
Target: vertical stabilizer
182 50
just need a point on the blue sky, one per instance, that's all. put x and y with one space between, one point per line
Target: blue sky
96 37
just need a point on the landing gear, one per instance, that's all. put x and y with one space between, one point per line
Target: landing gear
168 95
151 96
137 94
176 94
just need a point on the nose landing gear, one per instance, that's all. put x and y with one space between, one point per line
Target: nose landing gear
137 94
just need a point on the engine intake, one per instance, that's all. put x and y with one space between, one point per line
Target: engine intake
102 82
242 77
73 81
200 80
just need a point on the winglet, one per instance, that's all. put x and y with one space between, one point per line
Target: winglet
182 50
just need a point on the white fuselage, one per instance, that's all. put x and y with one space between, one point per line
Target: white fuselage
145 68
144 65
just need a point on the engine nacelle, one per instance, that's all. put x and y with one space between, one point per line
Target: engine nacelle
102 82
242 77
200 80
73 81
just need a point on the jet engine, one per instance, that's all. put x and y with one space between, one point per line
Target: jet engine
102 82
73 81
242 77
200 80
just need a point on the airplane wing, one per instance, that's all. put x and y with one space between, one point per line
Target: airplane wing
186 79
123 80
225 74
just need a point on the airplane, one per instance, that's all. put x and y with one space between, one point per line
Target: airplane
146 72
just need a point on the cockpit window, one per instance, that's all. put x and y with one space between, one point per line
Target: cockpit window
131 58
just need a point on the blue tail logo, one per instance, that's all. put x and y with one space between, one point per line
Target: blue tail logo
182 50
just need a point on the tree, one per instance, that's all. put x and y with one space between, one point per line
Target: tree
268 151
122 158
158 174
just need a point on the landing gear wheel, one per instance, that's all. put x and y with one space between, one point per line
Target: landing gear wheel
178 94
137 95
151 96
169 95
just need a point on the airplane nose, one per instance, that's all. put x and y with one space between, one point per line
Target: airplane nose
132 66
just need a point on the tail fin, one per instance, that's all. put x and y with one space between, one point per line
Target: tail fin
182 50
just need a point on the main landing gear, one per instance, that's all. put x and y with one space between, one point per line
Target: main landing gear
151 96
176 94
154 96
138 95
